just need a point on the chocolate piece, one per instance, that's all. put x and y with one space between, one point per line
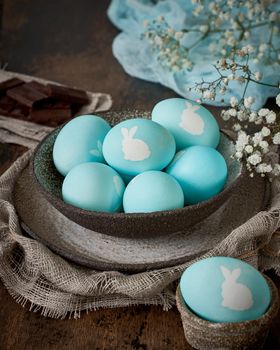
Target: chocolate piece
67 94
9 84
7 104
37 86
19 112
56 115
4 111
26 95
61 105
53 103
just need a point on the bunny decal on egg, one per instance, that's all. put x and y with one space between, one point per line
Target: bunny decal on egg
118 185
191 121
137 145
134 149
238 292
236 296
97 151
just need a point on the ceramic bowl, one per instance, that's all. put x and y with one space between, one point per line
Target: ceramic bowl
136 225
202 334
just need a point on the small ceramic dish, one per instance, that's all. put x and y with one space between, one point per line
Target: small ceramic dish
139 225
202 334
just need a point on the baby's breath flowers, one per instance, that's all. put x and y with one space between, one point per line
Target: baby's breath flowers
166 41
235 68
226 25
242 35
255 149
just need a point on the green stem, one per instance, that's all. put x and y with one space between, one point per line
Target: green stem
261 83
242 28
257 25
198 41
245 89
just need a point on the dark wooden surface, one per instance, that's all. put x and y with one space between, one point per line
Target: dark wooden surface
70 41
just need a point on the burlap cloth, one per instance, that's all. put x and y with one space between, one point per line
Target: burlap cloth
33 273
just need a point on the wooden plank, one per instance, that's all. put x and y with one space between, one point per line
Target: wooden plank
141 327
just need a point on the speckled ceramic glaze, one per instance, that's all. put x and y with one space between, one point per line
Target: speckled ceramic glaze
202 334
135 224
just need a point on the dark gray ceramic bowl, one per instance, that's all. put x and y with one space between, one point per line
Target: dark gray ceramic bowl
130 225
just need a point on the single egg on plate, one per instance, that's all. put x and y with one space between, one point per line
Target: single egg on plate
201 171
79 141
223 289
93 186
189 122
152 191
137 145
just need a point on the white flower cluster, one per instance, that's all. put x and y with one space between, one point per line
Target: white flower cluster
233 69
236 21
255 148
167 44
227 25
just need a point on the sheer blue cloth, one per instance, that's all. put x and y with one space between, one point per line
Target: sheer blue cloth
139 60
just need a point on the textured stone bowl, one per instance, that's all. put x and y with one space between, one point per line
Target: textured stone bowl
139 225
202 334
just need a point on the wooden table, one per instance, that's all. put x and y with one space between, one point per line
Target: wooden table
70 41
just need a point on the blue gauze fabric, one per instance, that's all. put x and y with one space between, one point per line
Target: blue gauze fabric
139 60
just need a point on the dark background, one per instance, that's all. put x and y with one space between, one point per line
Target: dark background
69 41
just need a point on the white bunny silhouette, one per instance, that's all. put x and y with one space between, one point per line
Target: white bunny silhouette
97 151
191 121
118 185
236 296
134 149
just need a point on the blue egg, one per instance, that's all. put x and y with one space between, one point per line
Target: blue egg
79 141
222 289
201 171
93 186
189 122
137 145
152 191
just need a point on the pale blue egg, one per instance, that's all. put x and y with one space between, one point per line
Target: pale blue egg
222 289
201 171
93 186
152 191
189 122
79 141
137 145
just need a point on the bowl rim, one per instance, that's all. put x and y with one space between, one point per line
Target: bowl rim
155 214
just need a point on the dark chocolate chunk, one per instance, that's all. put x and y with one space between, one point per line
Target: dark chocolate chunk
44 104
61 105
37 86
9 84
58 116
19 112
11 108
53 103
67 94
7 104
26 95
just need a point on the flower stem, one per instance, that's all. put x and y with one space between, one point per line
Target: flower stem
261 83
